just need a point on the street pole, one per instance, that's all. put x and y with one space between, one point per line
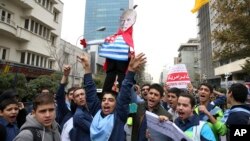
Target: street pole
102 28
227 75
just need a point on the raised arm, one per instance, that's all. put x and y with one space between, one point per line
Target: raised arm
92 99
124 96
62 108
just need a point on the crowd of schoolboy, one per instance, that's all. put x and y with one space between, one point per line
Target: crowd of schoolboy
79 114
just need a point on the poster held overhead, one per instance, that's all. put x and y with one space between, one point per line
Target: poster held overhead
178 76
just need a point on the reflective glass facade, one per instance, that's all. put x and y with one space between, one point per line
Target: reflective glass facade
103 13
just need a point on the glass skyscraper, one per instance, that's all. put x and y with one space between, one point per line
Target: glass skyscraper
103 13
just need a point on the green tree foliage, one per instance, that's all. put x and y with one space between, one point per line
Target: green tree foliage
50 82
14 81
99 80
233 33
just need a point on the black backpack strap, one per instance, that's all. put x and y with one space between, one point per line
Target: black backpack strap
3 132
35 132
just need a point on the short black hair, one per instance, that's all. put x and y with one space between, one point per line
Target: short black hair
175 90
146 84
10 93
210 87
113 93
191 98
4 103
239 92
158 87
71 89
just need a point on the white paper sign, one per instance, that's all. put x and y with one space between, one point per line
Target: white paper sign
178 76
163 130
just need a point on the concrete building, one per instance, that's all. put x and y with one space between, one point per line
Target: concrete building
164 73
29 35
228 71
103 13
97 62
204 33
189 55
67 54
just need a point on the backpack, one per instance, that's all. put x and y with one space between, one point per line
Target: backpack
227 113
35 132
238 109
2 132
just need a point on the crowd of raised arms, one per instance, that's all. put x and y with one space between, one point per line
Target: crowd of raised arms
80 114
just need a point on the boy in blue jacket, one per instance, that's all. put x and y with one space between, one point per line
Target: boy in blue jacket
111 113
8 113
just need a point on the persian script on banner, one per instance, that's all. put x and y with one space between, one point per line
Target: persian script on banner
178 76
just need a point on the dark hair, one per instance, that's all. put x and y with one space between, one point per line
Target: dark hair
191 98
77 88
239 92
10 93
42 99
158 87
175 90
4 103
114 94
71 89
146 84
210 87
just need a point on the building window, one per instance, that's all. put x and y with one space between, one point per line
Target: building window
28 59
4 54
41 62
53 40
36 28
50 6
43 3
44 32
22 57
26 24
40 30
33 59
3 15
66 58
47 4
8 18
32 26
50 64
37 60
45 62
47 36
55 16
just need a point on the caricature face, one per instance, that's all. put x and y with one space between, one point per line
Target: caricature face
127 19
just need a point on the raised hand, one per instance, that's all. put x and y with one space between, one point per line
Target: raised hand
84 60
66 70
136 62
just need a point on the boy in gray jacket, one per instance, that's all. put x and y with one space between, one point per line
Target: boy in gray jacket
41 122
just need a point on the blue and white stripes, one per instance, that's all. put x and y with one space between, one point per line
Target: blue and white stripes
117 50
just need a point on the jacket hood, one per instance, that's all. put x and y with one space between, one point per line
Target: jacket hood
32 122
244 106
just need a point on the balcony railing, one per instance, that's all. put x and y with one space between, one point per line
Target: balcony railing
8 21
